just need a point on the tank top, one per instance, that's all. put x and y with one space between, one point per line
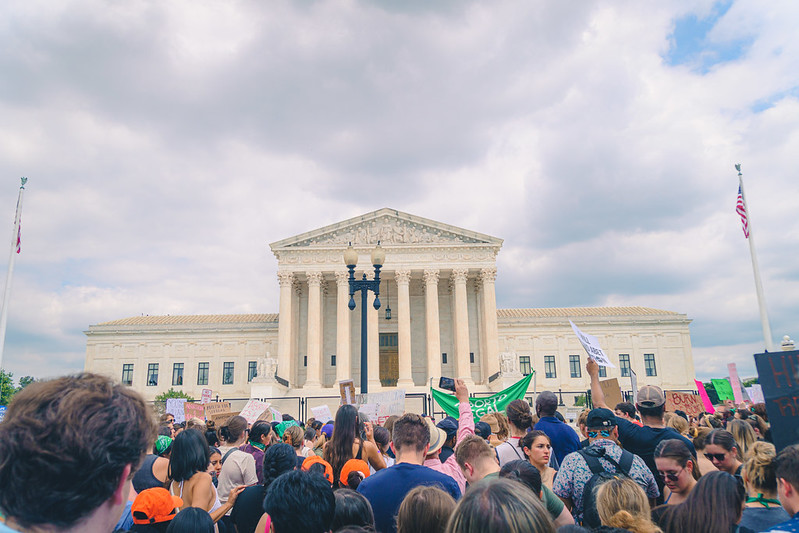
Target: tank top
509 451
217 504
144 479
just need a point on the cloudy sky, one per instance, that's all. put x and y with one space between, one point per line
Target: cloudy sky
167 143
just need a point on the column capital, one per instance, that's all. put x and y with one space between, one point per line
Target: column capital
314 278
459 275
285 278
431 276
342 278
402 277
488 274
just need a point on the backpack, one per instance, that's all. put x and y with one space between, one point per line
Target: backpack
600 475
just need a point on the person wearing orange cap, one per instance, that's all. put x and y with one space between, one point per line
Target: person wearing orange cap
153 509
353 472
324 467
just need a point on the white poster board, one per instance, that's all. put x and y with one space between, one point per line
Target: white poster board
277 416
174 406
206 396
592 347
387 403
368 411
322 413
253 410
755 393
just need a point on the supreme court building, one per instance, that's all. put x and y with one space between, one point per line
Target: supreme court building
439 283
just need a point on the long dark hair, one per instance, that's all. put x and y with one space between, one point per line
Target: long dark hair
714 506
339 450
191 520
258 430
190 454
679 451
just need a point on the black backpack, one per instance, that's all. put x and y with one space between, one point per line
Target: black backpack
600 475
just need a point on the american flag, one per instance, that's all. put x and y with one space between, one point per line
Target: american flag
740 207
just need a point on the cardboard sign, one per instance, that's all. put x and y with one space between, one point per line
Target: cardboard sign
2 412
214 408
253 410
174 406
778 374
347 390
206 396
322 413
755 393
220 419
723 389
194 410
266 415
705 398
592 347
735 383
690 403
612 392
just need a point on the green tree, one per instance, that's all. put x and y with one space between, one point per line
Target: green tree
172 393
749 382
24 381
7 388
711 393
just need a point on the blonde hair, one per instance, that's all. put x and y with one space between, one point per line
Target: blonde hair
622 503
295 436
501 423
744 436
425 509
196 423
759 468
678 423
582 418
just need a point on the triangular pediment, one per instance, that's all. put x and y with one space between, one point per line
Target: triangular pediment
390 227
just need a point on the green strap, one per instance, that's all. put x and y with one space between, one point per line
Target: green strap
763 501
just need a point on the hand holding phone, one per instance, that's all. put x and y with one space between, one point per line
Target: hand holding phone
446 384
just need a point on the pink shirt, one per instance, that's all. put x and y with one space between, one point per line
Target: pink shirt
450 466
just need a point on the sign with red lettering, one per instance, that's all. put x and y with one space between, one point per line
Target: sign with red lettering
778 373
691 404
194 410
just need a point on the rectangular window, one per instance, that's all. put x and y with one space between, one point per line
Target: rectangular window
202 373
624 363
603 372
127 374
227 373
471 357
177 374
152 375
332 360
304 360
443 358
649 364
524 364
574 366
549 366
252 370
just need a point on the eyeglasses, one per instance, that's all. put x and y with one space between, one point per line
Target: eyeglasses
671 476
717 456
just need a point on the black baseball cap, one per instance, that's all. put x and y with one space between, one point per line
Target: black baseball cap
600 418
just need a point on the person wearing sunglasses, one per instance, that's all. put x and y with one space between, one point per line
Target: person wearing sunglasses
722 450
677 468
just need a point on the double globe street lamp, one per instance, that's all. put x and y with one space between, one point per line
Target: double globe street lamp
364 285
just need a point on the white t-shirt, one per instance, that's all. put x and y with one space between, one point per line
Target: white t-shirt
238 469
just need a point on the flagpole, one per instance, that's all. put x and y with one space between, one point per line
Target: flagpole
11 259
761 301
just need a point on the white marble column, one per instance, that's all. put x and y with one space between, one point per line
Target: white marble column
284 327
314 347
432 324
373 340
462 366
403 278
489 307
343 347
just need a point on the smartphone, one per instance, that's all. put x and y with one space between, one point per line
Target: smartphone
446 383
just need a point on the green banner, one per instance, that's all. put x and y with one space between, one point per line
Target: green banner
723 389
481 406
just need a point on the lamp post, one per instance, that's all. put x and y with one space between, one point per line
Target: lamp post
364 285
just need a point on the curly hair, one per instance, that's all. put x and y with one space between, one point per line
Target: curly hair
73 435
278 459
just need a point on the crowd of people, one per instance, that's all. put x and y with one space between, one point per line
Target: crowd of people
84 453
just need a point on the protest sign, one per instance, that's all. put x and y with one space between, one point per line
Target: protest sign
723 389
705 398
347 390
253 410
266 415
612 392
691 404
206 396
480 406
322 413
735 383
174 406
755 393
778 374
194 410
276 415
388 403
369 411
592 347
220 419
634 385
2 412
214 408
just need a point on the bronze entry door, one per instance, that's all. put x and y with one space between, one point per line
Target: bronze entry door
389 360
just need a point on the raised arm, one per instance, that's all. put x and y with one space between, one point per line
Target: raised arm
597 396
465 417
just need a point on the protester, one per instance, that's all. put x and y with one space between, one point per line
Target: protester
211 435
352 509
279 458
640 440
153 470
238 467
476 460
576 470
786 469
425 509
258 439
386 488
528 475
346 444
581 420
438 437
622 503
315 464
520 421
383 440
499 433
294 436
678 424
714 506
537 448
196 423
483 430
353 472
450 426
298 502
763 509
153 510
215 466
563 438
722 450
743 434
498 506
58 433
626 410
705 465
677 468
191 520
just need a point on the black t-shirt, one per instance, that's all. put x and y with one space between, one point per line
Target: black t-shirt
249 508
642 441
